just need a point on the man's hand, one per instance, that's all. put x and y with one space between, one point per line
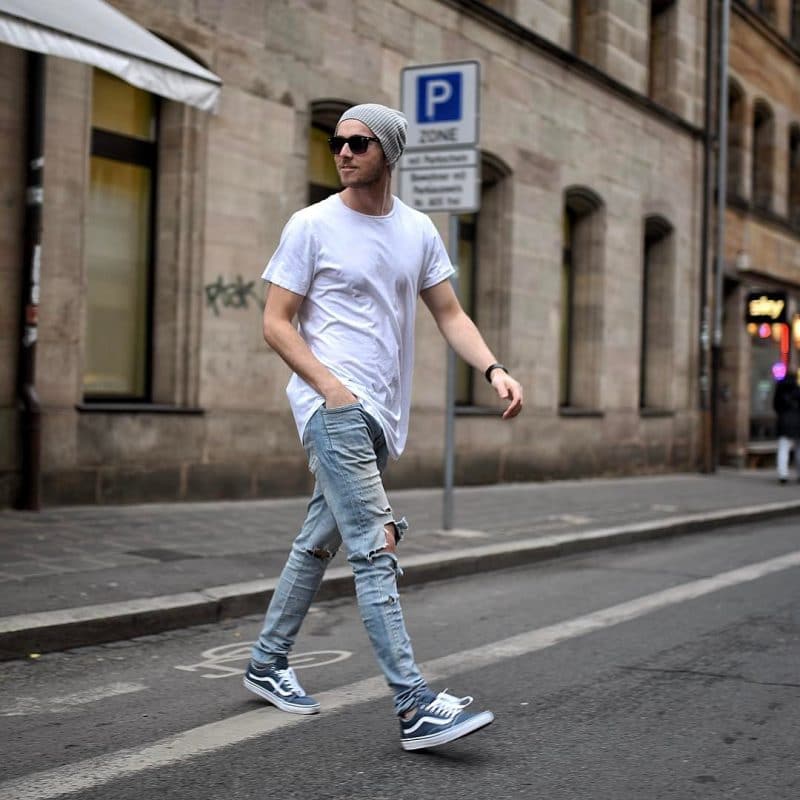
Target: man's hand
507 389
339 396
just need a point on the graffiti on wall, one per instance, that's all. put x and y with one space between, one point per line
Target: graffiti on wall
236 293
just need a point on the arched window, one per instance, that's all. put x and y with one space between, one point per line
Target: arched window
585 17
582 289
655 373
323 180
736 131
483 273
119 240
768 9
663 49
507 7
763 155
794 176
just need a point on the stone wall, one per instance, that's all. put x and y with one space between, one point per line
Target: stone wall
762 246
229 182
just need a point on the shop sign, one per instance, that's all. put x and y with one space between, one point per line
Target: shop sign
769 307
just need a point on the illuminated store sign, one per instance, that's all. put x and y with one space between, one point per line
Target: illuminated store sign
769 307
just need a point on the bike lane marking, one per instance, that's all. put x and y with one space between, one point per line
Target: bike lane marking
215 660
214 736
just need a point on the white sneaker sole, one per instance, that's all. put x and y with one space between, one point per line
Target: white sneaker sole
451 734
279 702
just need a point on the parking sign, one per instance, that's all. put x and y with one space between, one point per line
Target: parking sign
441 104
439 97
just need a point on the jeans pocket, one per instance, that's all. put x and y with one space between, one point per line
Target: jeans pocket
341 409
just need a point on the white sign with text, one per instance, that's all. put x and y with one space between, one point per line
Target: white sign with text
440 171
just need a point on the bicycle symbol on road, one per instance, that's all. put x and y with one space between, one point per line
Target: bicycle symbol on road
215 661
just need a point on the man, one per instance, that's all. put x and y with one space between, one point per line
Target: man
786 402
351 268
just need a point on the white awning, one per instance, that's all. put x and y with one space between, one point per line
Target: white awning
93 32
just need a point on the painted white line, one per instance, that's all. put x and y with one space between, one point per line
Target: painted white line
100 770
25 706
463 533
574 519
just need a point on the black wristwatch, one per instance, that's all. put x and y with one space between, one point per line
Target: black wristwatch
491 368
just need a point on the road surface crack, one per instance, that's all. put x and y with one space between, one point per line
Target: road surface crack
719 675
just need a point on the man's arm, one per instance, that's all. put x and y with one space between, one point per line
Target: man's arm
281 335
462 335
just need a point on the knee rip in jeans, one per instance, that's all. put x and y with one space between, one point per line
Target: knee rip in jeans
321 553
395 529
385 550
393 532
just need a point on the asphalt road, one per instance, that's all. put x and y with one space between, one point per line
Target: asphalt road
666 670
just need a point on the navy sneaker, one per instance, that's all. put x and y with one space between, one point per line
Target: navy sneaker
442 720
281 688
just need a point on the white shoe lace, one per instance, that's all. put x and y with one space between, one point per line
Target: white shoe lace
447 705
289 679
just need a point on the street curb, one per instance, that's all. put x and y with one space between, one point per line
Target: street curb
24 634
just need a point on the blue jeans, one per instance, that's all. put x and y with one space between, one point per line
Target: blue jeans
346 453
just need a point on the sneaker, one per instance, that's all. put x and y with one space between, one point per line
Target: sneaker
442 720
281 688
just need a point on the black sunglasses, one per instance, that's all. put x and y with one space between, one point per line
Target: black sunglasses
358 144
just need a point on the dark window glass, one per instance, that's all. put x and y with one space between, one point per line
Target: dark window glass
119 241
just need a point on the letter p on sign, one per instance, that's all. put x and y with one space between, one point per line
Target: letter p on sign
439 97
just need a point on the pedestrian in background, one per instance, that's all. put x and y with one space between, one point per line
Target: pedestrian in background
351 268
786 403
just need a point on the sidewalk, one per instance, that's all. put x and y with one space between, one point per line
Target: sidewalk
83 575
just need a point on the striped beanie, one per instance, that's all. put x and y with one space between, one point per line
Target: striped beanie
388 125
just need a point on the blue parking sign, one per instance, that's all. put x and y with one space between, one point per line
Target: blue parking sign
439 97
440 102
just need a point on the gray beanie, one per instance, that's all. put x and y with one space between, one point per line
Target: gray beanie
387 124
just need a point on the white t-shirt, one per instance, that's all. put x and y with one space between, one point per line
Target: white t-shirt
360 276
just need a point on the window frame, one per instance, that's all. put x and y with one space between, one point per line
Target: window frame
762 178
141 153
665 12
489 286
583 347
793 184
657 233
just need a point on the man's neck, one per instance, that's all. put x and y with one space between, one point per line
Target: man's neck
374 200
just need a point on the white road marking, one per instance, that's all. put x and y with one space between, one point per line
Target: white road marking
100 770
574 519
24 706
464 533
215 660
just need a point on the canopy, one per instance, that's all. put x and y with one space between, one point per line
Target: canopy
93 32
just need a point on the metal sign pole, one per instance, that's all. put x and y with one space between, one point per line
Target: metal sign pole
440 173
450 396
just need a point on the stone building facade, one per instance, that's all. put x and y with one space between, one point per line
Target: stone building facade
762 221
582 267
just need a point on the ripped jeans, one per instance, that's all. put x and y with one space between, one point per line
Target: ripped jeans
346 452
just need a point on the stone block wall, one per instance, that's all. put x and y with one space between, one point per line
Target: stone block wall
762 245
228 184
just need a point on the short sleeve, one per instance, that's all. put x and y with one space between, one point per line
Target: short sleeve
437 266
292 265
